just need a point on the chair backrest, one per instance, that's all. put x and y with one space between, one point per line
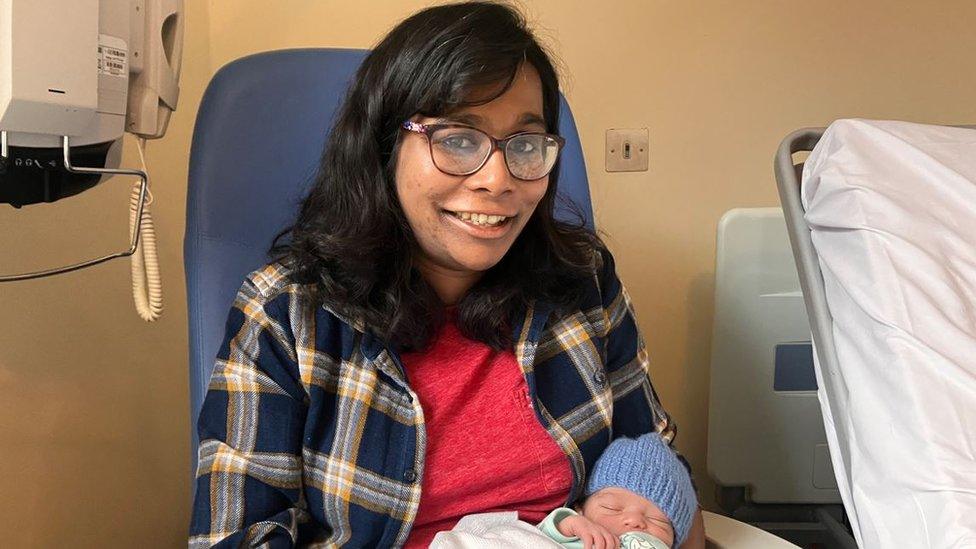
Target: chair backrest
257 142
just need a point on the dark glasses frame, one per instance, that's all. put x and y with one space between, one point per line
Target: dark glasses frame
427 129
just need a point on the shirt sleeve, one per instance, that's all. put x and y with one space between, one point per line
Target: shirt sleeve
550 525
636 406
248 485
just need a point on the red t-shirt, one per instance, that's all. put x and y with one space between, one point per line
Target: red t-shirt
486 450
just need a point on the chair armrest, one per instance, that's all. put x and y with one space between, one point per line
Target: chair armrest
725 533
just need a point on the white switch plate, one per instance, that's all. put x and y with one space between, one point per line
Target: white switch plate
627 150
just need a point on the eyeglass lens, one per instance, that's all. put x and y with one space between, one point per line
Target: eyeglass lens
461 151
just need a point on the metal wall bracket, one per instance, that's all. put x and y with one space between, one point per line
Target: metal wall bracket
134 241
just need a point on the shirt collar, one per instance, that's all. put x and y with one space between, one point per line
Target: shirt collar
525 331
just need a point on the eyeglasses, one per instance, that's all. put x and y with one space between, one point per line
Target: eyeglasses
462 150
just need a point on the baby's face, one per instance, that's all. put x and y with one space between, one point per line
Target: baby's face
622 511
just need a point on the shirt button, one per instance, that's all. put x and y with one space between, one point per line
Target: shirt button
599 377
410 475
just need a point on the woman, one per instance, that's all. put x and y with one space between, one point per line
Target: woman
429 342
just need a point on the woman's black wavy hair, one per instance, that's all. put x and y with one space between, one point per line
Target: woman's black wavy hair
351 241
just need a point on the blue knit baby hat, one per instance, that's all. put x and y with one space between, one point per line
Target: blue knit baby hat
648 467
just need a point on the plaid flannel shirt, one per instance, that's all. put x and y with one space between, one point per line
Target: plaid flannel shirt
310 434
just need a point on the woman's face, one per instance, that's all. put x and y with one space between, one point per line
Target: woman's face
432 200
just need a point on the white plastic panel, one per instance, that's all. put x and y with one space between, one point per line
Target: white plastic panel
757 436
81 48
48 71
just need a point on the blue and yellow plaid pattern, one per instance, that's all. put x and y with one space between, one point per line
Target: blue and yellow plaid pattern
311 436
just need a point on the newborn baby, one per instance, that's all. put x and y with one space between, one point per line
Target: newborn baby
639 495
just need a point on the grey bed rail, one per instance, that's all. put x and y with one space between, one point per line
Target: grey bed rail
788 176
804 254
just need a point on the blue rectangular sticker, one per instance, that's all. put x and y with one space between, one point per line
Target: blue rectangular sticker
794 368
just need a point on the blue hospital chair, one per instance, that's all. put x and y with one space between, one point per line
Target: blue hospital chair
259 134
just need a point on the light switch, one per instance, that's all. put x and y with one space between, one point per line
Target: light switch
627 150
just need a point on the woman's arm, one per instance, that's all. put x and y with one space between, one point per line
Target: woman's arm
250 428
637 409
696 536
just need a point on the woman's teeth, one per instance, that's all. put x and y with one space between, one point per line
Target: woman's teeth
480 219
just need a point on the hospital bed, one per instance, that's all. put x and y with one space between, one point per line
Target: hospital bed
258 137
883 233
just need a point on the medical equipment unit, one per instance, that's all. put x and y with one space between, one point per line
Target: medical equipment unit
767 450
258 138
883 233
74 76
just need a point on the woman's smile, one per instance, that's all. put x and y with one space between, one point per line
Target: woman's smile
477 225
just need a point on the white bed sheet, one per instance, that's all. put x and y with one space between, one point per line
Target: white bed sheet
892 211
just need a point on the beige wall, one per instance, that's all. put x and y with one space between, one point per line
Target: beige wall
93 402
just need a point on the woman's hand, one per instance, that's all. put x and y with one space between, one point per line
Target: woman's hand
590 533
